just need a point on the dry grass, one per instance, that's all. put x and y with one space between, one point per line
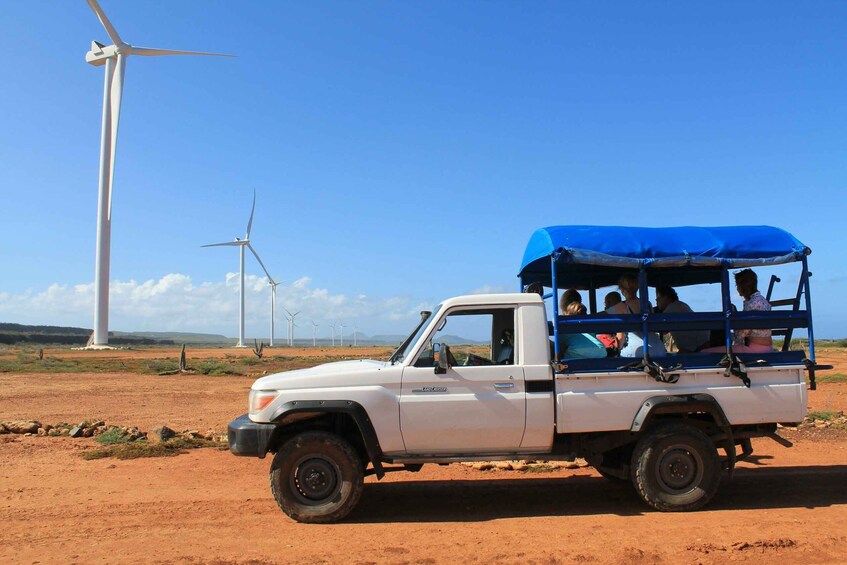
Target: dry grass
138 449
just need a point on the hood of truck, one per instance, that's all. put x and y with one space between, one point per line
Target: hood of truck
328 374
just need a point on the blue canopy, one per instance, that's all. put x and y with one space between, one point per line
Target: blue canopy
593 255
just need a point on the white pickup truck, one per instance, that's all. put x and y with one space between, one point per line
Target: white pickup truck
658 420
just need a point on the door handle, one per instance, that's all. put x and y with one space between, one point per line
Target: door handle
504 385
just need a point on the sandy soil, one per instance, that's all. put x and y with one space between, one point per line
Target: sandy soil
207 506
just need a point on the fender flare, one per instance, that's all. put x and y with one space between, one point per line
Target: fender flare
678 404
687 404
353 409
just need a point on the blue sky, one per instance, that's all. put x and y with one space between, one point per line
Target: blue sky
404 152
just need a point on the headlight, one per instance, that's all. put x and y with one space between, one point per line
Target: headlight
259 399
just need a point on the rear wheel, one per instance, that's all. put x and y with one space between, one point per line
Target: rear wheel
676 468
317 477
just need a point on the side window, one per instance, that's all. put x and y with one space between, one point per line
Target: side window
475 337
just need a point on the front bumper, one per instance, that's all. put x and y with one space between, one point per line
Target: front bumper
249 439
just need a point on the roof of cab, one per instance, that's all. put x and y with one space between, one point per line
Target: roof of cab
492 299
589 252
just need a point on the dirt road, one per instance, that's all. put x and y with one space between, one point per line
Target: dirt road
206 506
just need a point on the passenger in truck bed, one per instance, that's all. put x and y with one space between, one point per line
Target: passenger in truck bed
570 296
611 300
668 302
579 346
631 344
749 340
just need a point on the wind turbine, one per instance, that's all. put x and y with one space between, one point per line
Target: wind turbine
314 333
355 332
241 244
287 327
342 326
113 57
333 334
291 325
273 284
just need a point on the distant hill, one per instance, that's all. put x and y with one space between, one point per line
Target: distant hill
61 335
450 339
20 328
11 333
177 337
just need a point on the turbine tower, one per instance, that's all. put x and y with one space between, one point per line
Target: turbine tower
241 244
355 332
273 284
333 334
314 334
342 326
113 57
293 325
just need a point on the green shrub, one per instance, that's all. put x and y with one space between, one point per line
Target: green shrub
139 449
831 377
159 366
825 415
111 437
216 367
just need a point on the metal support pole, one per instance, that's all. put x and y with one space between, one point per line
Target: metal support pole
644 304
805 278
727 305
592 298
555 298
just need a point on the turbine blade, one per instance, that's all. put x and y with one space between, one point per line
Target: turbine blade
152 52
256 255
115 95
101 15
250 223
227 243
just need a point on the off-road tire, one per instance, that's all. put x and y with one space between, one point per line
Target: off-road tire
317 477
676 468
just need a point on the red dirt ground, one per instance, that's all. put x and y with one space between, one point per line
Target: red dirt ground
207 506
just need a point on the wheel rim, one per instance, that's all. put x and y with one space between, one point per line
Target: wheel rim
315 480
680 469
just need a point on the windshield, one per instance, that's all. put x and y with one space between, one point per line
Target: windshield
400 354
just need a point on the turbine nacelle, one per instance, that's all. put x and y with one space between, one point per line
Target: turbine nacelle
99 53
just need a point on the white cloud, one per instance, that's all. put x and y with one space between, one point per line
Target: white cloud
175 303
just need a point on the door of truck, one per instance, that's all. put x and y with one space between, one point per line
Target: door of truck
479 404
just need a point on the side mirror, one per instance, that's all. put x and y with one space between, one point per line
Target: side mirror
442 358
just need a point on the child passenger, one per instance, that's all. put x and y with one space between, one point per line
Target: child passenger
579 345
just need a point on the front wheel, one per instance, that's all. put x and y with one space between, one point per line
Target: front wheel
676 468
317 477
